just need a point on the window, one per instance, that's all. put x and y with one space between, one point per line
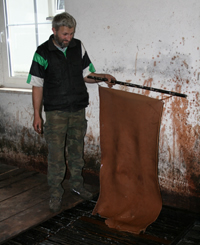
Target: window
60 5
26 24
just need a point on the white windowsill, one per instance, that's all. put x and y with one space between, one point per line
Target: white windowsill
15 90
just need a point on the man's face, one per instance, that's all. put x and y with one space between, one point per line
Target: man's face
63 36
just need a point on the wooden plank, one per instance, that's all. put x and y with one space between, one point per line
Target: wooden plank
11 174
6 168
16 176
21 186
23 201
33 216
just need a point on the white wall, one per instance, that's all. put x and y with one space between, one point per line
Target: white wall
153 43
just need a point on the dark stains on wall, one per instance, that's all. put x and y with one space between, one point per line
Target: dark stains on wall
183 146
187 139
174 199
23 147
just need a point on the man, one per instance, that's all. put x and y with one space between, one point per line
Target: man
56 75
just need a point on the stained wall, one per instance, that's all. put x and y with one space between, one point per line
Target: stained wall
153 43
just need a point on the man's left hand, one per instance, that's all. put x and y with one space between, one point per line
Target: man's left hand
110 79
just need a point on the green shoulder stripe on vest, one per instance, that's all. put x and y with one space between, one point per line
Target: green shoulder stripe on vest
65 52
29 78
40 60
91 68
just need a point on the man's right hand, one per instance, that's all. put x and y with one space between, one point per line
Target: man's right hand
37 93
37 125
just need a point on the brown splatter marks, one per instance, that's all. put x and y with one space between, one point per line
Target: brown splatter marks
183 39
136 63
198 76
185 64
108 27
147 83
162 131
186 141
174 58
90 137
197 48
89 113
154 63
126 88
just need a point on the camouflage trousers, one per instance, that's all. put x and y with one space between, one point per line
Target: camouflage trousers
64 133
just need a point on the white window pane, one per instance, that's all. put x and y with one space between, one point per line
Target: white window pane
20 11
27 27
44 31
43 11
60 4
22 47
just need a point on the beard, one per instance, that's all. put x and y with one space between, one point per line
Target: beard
60 42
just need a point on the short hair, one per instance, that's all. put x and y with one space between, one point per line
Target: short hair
63 19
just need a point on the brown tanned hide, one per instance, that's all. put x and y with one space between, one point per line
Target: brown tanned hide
130 198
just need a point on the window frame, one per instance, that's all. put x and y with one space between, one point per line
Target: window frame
6 80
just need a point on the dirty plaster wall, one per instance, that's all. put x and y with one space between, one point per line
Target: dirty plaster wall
154 43
19 144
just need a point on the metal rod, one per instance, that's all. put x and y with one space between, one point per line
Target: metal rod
140 86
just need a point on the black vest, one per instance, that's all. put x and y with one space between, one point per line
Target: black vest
64 87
